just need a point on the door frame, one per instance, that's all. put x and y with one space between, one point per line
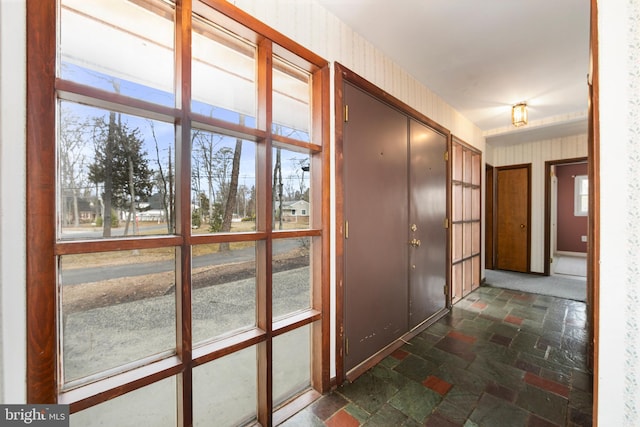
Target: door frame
547 206
342 75
489 218
497 170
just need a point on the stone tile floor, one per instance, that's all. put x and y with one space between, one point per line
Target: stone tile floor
499 358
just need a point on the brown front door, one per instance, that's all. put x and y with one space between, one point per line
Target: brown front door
427 212
513 218
376 217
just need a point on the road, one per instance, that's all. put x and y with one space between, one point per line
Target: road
97 274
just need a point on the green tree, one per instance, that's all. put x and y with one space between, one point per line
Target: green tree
121 166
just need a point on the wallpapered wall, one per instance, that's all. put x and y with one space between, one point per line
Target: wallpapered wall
632 288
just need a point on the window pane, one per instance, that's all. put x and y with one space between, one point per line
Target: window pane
581 195
153 405
291 189
224 289
291 276
224 391
291 101
223 178
223 75
291 364
116 308
100 154
102 43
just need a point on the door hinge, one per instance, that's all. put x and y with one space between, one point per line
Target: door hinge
446 223
446 156
444 289
346 229
346 346
551 260
346 113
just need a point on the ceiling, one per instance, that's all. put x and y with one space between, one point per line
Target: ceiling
483 56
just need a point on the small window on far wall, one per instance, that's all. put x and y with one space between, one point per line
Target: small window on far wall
581 196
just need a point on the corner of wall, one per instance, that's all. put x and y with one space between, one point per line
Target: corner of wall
12 201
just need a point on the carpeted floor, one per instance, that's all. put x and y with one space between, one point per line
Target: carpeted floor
557 286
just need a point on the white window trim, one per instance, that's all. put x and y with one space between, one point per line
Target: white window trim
577 196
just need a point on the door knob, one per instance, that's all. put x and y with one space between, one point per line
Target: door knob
521 225
415 243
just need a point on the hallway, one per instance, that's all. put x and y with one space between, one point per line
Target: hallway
500 358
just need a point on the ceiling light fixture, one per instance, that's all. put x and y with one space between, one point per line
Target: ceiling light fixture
519 115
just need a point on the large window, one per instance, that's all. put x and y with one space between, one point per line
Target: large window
177 213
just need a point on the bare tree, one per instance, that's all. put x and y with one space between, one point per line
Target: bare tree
276 193
231 198
204 145
71 152
165 183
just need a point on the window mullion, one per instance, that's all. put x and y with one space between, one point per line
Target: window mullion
183 209
264 249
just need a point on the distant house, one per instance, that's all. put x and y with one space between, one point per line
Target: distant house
152 210
296 210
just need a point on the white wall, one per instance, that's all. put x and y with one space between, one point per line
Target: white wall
619 344
12 202
537 153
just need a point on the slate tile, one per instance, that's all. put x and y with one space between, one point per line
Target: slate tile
385 417
502 392
543 403
436 384
454 413
416 368
415 401
536 421
342 419
581 419
501 340
456 347
547 384
368 391
462 379
357 412
493 411
497 372
328 405
436 420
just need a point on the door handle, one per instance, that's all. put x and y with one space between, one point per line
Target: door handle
415 243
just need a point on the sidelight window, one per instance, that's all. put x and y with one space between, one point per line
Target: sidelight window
176 261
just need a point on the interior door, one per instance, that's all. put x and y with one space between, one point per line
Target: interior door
513 234
427 212
376 217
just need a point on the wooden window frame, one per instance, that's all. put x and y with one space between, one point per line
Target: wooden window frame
465 183
43 248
